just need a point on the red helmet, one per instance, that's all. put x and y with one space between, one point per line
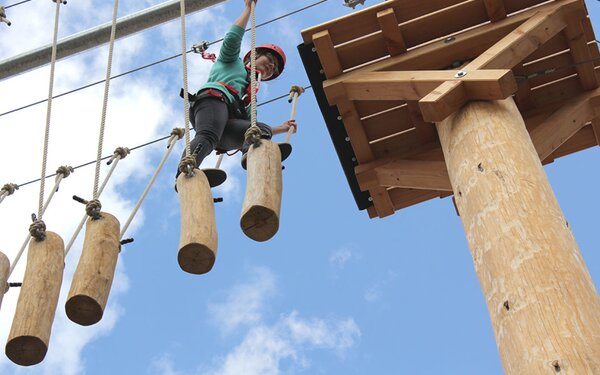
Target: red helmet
276 51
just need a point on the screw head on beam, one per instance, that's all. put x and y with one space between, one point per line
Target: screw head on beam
460 74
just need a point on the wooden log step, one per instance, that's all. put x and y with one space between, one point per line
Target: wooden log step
95 271
198 239
32 324
262 203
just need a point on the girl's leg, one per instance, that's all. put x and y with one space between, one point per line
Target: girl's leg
233 135
210 118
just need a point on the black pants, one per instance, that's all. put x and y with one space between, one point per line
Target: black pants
216 129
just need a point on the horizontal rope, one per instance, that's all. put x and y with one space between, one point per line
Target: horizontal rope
149 143
153 63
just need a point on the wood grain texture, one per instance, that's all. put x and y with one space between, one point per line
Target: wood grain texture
32 324
198 240
95 271
262 202
4 270
542 302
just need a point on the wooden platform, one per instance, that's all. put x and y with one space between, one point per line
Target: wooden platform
384 74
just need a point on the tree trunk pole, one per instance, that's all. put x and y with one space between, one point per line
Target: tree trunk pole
543 305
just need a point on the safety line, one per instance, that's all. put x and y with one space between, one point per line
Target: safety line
15 4
156 62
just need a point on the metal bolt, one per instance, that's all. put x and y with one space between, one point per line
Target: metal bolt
314 49
321 71
347 139
339 118
449 39
370 199
460 74
354 160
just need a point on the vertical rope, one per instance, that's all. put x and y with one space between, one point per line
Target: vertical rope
186 101
253 64
105 102
116 160
48 112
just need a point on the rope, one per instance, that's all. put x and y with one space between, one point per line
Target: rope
8 189
48 114
174 138
149 65
186 100
116 157
121 152
295 92
3 16
252 135
37 230
111 44
15 4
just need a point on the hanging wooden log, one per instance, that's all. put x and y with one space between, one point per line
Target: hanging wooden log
95 272
198 240
30 332
4 271
262 203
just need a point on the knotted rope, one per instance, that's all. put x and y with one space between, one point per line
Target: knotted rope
8 189
37 230
116 157
175 136
120 152
3 16
39 227
253 134
187 165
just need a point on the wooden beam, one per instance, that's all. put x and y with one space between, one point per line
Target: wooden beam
581 55
564 123
495 9
425 130
391 32
505 54
410 174
596 127
414 85
329 59
443 101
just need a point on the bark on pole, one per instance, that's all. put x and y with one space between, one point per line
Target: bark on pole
262 203
4 271
30 332
198 240
543 305
95 271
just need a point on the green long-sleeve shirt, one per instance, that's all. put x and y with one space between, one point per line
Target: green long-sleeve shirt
229 67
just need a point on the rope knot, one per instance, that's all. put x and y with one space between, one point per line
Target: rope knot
297 89
187 165
92 208
179 132
38 230
120 152
9 189
3 16
65 170
252 136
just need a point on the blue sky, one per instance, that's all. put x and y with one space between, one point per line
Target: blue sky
334 292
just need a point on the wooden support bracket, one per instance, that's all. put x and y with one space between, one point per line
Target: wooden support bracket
564 123
409 174
327 54
596 127
582 56
495 10
505 54
414 85
391 31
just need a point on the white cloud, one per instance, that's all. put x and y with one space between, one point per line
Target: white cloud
340 257
244 303
269 347
376 291
142 107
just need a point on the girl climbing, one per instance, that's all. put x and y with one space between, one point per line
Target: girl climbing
219 110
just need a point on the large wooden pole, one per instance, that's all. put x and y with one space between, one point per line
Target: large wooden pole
95 271
30 332
543 305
